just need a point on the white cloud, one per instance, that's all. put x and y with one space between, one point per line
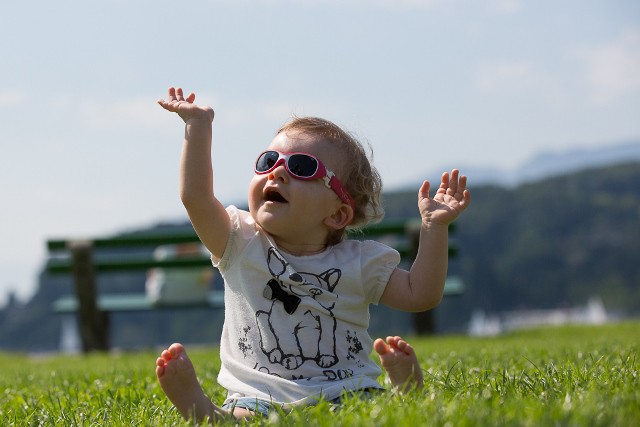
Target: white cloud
612 69
139 113
12 97
135 113
505 6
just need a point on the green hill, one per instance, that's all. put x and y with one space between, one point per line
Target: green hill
548 244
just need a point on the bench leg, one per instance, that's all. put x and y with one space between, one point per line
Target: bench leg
424 323
93 323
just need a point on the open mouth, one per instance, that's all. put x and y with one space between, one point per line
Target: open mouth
274 196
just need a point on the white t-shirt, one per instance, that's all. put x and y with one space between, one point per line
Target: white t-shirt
295 327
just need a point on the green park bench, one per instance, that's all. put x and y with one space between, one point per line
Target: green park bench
82 262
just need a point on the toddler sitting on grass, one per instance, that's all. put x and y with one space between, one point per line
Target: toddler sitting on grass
297 293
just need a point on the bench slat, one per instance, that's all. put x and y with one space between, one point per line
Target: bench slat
129 241
135 302
64 265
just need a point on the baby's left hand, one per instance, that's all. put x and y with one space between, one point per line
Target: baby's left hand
450 200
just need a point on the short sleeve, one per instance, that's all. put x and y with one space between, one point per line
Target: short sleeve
243 228
378 262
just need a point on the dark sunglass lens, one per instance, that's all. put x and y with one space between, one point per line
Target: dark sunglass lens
302 165
266 161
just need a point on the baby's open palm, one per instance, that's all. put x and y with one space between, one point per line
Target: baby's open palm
186 109
451 198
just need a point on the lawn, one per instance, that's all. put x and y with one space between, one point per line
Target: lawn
568 376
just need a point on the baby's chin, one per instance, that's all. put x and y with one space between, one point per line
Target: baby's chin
265 221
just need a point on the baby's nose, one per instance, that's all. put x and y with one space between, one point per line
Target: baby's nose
280 172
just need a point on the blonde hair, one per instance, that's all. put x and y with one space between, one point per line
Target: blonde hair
358 175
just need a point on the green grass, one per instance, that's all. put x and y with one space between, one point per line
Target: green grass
569 376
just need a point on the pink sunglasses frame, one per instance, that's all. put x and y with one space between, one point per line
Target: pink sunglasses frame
330 179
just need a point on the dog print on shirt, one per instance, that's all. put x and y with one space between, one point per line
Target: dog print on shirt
304 302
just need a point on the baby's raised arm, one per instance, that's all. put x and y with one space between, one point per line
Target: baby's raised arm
422 287
208 216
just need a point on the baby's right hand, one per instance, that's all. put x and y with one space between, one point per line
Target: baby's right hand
185 107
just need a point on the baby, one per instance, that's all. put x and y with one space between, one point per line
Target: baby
297 293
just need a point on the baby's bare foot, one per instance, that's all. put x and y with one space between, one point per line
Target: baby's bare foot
399 359
179 382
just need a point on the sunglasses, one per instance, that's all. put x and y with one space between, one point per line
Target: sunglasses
302 166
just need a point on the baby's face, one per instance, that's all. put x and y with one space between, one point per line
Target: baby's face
290 209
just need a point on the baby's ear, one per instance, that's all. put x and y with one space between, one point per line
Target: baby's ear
340 218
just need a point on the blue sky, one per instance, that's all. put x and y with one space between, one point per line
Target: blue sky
430 84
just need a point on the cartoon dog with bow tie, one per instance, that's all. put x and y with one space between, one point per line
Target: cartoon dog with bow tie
300 324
